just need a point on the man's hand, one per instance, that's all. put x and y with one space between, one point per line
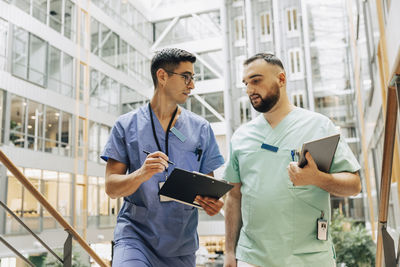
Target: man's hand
155 163
230 260
303 176
210 205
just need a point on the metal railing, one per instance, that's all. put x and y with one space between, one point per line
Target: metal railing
385 245
72 233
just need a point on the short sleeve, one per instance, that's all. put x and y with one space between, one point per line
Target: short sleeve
212 158
344 159
231 173
115 147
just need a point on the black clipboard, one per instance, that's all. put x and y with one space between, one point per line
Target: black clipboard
322 150
183 186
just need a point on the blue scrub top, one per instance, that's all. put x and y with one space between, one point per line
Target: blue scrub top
169 228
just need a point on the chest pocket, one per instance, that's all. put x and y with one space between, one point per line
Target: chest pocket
190 160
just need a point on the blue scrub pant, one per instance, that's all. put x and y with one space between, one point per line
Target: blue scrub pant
135 253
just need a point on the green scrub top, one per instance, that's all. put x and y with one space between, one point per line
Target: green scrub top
279 219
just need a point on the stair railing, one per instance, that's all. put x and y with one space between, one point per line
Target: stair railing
72 233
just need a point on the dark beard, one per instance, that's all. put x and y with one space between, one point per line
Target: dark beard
268 102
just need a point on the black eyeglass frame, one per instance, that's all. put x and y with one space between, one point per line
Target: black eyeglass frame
188 78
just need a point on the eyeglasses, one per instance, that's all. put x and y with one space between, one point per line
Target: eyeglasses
188 78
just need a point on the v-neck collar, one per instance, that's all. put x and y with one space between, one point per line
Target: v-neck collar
282 124
178 122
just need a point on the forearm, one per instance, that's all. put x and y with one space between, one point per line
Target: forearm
233 222
339 184
122 185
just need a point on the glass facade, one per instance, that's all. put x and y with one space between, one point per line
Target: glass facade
115 51
39 127
57 188
3 43
49 12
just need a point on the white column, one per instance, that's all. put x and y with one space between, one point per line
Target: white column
307 55
228 106
277 31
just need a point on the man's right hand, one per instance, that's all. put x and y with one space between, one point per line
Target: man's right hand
155 163
230 260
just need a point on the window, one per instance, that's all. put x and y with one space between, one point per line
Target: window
265 27
54 69
292 22
93 141
51 129
216 101
55 15
136 100
37 60
132 61
239 31
93 197
94 36
298 100
83 29
65 148
31 207
64 198
29 57
245 110
14 202
20 53
80 213
239 70
104 199
50 191
123 56
17 121
35 126
1 115
3 43
295 64
69 17
104 92
81 137
67 75
82 80
55 186
237 3
109 49
22 4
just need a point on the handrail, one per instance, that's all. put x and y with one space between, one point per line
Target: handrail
2 240
29 230
384 247
53 212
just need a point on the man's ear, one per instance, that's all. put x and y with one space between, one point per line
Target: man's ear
162 76
282 78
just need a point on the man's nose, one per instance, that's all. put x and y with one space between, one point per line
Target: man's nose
191 85
249 90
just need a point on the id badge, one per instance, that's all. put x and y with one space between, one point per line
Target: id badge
163 198
322 229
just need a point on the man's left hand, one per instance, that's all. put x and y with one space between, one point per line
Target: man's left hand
303 176
210 205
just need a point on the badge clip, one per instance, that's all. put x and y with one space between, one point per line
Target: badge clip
322 228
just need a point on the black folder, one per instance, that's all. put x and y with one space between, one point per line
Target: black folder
321 150
183 186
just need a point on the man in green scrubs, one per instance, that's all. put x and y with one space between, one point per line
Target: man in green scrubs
272 211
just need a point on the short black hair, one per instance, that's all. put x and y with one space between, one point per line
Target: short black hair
169 59
269 58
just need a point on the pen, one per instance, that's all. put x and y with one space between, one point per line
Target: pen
147 153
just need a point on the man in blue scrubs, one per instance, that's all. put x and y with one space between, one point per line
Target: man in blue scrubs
151 231
273 211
